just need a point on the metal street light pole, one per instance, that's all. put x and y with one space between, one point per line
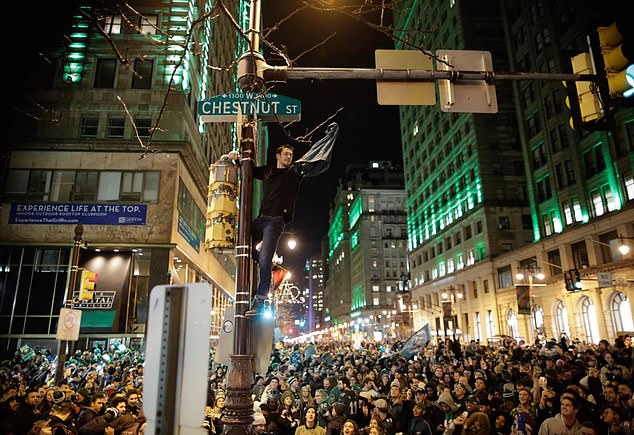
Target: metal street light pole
238 412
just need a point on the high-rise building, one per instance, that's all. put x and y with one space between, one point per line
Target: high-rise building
503 209
114 143
315 293
464 174
367 250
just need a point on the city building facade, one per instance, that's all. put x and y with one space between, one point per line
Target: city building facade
367 252
115 144
548 201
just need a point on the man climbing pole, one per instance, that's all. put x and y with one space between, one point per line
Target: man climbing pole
281 183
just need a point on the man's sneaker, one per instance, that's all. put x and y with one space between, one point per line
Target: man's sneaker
257 306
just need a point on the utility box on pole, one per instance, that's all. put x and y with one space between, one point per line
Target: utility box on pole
404 93
473 96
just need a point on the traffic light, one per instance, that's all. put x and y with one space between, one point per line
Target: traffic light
573 280
87 285
590 107
618 55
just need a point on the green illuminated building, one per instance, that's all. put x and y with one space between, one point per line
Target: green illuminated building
84 143
517 198
464 173
367 255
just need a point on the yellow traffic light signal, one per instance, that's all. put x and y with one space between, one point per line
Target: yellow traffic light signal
87 285
590 105
617 59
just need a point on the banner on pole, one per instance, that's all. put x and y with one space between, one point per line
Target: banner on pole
523 299
446 310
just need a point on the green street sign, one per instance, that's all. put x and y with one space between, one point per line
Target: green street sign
264 106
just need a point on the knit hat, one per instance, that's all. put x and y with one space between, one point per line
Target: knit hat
258 419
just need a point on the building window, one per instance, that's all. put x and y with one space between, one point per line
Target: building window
467 232
142 75
537 318
375 301
622 313
629 186
505 277
554 258
89 126
593 160
504 223
598 208
116 127
143 127
128 186
112 24
478 227
561 319
527 222
567 212
490 324
477 328
511 320
543 189
105 73
148 24
376 288
580 254
589 317
548 228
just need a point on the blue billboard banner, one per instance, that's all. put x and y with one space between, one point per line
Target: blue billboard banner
77 213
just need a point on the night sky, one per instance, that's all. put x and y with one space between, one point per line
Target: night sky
367 131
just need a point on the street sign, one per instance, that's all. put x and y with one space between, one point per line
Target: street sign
605 279
68 324
475 96
402 93
264 106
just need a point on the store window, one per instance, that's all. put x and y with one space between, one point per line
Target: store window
589 318
561 319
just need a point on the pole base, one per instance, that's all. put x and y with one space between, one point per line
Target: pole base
238 412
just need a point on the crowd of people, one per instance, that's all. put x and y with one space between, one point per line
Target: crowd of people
545 388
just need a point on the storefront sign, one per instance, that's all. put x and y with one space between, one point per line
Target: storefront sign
74 213
185 230
101 300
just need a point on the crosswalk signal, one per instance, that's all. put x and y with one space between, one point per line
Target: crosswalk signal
590 107
618 56
87 285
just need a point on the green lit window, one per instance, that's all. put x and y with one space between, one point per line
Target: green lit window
105 73
355 211
610 199
142 76
89 126
354 240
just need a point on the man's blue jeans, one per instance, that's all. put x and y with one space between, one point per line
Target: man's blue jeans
267 229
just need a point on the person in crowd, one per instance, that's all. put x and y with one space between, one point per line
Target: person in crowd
310 425
338 417
96 407
563 423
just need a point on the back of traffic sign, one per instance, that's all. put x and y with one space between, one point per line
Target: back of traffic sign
476 96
